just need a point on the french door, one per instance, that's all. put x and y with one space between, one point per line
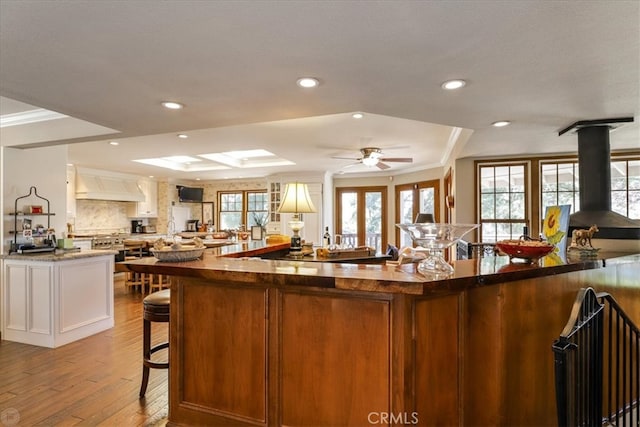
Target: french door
415 198
361 216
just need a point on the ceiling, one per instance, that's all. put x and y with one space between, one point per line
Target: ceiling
108 65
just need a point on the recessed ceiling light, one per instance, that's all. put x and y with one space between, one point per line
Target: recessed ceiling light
183 136
172 105
197 179
453 84
308 82
501 123
150 176
114 143
357 115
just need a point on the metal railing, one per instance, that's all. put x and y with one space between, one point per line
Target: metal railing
468 250
597 362
372 240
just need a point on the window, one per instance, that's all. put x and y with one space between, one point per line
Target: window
257 209
559 185
503 201
414 198
361 216
241 209
230 210
625 187
554 181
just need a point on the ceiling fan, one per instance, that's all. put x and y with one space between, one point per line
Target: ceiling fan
372 156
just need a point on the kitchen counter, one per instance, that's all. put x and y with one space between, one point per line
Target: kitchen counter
59 255
313 343
247 263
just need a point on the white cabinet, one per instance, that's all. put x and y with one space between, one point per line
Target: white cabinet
148 208
313 222
273 226
52 303
71 193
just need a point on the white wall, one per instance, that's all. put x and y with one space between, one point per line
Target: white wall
45 168
464 192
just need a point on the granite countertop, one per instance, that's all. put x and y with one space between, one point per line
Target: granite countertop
59 255
240 263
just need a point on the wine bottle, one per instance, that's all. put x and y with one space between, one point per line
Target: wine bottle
326 238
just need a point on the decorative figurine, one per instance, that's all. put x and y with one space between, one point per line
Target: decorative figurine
581 247
582 238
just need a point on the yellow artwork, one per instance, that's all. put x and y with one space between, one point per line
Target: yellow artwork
554 231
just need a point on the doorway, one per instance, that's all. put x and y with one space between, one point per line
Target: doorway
414 198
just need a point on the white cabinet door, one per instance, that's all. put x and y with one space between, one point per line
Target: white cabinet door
148 208
71 193
28 291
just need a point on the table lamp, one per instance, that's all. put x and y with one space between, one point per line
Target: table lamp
296 200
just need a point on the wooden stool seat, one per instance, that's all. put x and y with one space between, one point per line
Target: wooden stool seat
155 309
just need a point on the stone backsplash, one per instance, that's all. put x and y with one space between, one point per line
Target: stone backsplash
101 216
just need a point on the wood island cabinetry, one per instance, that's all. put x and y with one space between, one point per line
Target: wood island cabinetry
273 343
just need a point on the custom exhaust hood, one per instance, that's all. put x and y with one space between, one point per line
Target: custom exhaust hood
93 184
594 162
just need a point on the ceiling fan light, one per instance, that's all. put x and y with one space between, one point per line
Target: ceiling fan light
370 161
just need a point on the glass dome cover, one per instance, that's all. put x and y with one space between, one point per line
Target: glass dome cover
434 238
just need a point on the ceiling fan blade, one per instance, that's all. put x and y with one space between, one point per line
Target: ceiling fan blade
351 165
345 158
382 166
397 159
394 147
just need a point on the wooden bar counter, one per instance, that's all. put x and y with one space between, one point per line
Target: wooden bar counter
263 342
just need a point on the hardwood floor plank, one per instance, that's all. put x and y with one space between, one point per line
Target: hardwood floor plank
6 396
94 381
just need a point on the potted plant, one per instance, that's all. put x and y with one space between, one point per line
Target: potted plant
261 220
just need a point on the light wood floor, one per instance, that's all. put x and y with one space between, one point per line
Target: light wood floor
94 381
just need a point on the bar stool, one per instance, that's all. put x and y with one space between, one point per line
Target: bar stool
133 249
155 309
158 282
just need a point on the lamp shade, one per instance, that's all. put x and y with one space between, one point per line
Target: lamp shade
296 199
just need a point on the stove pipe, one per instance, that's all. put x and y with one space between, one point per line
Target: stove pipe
594 161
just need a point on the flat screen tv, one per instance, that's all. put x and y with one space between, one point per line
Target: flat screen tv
190 194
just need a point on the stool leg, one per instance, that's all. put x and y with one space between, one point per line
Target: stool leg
146 355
